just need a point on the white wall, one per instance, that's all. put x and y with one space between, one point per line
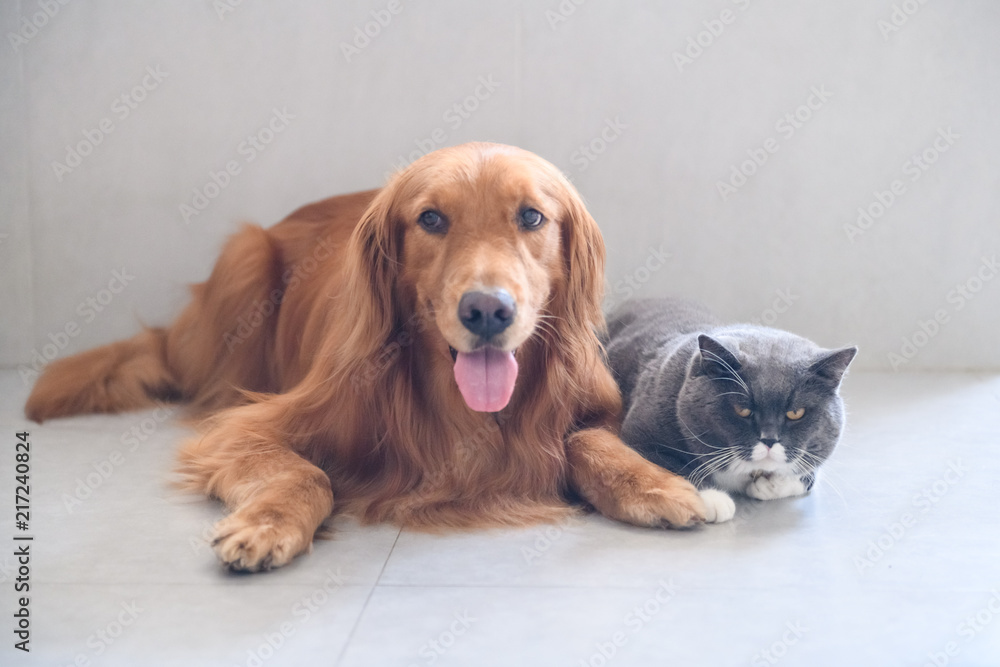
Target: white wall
558 85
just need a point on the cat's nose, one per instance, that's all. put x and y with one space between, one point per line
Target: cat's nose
770 442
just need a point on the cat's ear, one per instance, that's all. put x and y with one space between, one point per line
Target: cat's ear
714 360
832 365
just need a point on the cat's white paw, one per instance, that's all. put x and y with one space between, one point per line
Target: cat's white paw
771 486
719 506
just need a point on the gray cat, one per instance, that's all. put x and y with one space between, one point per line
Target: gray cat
738 408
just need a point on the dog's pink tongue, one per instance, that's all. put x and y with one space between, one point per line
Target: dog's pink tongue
486 378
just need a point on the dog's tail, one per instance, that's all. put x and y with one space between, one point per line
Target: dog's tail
127 375
217 350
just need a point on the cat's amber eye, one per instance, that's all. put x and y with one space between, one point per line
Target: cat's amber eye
795 415
743 411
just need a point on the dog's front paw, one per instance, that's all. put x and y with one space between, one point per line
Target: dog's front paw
719 507
772 486
661 500
247 545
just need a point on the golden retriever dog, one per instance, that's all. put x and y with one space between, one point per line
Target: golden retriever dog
425 354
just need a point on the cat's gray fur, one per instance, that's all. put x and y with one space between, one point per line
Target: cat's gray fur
683 377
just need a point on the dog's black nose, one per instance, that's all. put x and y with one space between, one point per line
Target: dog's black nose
487 313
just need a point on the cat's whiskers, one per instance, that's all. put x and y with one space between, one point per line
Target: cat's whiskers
809 463
698 439
725 364
801 465
709 469
836 489
688 429
731 393
746 390
684 451
721 456
842 482
714 465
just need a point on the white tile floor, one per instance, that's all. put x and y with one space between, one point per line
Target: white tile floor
124 576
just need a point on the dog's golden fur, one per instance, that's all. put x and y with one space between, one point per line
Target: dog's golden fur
318 353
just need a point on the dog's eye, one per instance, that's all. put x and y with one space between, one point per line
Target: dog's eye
433 222
531 219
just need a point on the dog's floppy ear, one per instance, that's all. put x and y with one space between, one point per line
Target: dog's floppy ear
373 265
583 246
